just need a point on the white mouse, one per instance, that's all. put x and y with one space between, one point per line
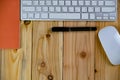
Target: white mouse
110 40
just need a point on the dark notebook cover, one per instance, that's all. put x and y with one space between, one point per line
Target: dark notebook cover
9 24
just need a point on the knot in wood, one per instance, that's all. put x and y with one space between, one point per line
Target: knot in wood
83 54
43 64
27 22
48 35
50 77
15 50
95 70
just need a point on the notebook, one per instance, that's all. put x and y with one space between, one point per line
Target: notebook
9 24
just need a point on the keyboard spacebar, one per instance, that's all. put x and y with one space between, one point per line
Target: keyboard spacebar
64 15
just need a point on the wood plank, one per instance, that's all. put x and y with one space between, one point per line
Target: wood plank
16 63
26 45
47 52
79 53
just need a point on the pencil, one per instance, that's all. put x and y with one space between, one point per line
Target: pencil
68 29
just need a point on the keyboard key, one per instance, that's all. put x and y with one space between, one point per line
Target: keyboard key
105 14
28 8
44 15
101 3
37 15
94 2
109 3
48 2
51 9
38 8
45 9
64 15
42 2
24 15
112 14
67 3
74 3
58 9
77 9
112 18
71 9
64 9
84 9
81 3
108 9
27 2
105 17
61 2
98 14
97 9
87 2
92 16
30 15
99 18
84 15
35 2
55 2
90 9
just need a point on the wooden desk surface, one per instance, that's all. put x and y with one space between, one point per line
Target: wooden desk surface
58 56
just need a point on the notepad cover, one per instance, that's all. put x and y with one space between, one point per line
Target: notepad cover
9 24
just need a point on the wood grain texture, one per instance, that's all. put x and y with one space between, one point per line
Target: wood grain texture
11 64
56 56
26 45
16 64
47 52
79 48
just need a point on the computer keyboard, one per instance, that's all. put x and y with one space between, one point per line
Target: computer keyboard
84 10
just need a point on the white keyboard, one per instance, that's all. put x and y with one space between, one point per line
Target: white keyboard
84 10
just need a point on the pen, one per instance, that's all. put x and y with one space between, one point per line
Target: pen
68 29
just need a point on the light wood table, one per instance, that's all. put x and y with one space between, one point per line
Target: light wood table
45 55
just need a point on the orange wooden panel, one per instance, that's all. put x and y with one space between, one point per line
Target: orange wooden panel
9 23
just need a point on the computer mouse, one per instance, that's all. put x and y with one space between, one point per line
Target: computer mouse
110 40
